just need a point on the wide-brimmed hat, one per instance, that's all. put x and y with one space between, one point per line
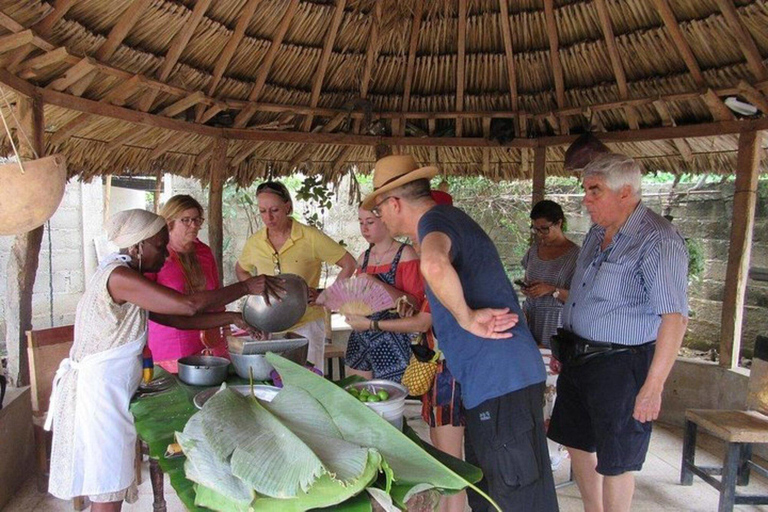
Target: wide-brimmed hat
395 171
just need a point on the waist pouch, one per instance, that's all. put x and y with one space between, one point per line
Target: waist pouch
573 350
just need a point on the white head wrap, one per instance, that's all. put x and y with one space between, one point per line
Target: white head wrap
130 227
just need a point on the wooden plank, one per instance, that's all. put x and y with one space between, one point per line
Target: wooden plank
243 19
744 39
506 32
680 43
554 57
539 174
23 258
461 58
218 173
72 75
613 50
120 93
410 67
716 106
740 248
183 104
754 96
12 41
210 114
732 426
266 65
325 57
371 54
60 8
29 67
666 120
334 122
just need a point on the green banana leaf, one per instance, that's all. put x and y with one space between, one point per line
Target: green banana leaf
362 426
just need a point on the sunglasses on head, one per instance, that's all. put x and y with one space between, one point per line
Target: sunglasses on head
276 188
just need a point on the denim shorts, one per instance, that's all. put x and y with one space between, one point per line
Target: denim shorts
594 407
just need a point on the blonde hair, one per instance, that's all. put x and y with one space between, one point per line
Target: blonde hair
190 266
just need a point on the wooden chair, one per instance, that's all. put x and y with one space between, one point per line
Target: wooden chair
740 430
45 349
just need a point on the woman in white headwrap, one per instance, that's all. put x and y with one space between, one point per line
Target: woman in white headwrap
93 434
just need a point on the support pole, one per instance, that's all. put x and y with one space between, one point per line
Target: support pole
539 173
740 248
215 193
23 259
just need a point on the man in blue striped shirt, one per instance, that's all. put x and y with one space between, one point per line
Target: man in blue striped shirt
626 316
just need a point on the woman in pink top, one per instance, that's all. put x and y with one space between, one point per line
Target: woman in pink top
190 267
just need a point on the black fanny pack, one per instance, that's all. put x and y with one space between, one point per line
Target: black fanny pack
573 350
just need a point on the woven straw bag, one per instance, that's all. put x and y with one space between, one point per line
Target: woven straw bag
422 368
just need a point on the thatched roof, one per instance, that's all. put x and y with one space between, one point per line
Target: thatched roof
146 86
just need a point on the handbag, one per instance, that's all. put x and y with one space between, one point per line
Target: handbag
422 368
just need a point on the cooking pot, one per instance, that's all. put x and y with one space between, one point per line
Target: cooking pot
261 367
278 315
203 370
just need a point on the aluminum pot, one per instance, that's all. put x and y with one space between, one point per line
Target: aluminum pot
260 365
203 370
278 316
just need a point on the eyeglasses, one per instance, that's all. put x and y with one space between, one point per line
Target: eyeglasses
276 262
376 210
278 188
188 221
544 230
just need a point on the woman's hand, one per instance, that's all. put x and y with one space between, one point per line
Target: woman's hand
266 286
358 322
312 296
254 333
538 289
404 307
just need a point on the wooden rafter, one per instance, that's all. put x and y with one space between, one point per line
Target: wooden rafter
183 104
325 57
244 18
28 68
335 122
73 74
554 57
410 68
746 43
667 120
120 93
371 54
12 41
613 54
680 43
178 44
266 65
509 54
461 60
60 8
754 96
116 36
716 106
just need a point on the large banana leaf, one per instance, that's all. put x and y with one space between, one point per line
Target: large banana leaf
360 425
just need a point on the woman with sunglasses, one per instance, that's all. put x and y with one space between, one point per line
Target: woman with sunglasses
287 246
549 265
189 268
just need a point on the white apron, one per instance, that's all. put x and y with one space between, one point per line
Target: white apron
105 437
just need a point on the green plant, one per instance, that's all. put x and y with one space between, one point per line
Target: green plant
695 259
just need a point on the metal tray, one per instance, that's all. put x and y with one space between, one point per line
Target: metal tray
280 342
262 392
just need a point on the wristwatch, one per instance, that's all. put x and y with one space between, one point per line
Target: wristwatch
556 294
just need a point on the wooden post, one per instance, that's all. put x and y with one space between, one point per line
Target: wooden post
742 226
158 191
23 259
218 168
539 173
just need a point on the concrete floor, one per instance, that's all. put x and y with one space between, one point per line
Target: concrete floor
657 484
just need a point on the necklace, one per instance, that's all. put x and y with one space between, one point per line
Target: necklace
377 260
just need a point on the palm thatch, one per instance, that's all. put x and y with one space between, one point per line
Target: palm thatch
147 86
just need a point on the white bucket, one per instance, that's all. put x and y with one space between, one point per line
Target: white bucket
391 409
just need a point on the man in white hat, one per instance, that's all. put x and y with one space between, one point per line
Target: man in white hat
487 345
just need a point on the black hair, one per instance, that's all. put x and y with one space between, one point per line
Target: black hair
549 210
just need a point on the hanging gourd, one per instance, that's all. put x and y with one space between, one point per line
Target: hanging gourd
31 190
583 150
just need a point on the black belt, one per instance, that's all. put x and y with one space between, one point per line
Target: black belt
573 350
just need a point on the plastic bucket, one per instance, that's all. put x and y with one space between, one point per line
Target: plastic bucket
391 409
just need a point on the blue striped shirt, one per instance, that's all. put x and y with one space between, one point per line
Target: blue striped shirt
618 295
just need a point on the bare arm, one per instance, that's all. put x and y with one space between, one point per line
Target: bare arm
445 284
419 322
241 273
348 266
197 322
127 285
668 341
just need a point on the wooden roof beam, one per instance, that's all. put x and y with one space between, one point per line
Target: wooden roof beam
183 104
753 96
12 41
667 120
742 36
178 44
60 8
716 106
73 74
119 94
554 57
371 54
461 58
325 57
68 129
29 68
266 65
681 44
335 122
410 68
506 32
210 113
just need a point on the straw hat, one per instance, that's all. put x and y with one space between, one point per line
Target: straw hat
395 171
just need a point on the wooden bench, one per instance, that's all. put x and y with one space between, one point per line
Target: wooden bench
333 351
740 430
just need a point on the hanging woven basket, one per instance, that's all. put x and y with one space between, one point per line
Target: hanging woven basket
31 192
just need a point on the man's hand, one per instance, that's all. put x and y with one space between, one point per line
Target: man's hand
555 366
490 323
647 403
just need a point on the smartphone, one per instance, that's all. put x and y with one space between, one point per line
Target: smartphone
521 283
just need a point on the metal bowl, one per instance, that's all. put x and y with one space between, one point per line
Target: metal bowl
260 365
396 391
278 315
203 370
262 392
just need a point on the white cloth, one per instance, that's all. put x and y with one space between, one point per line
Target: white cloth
106 382
315 334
